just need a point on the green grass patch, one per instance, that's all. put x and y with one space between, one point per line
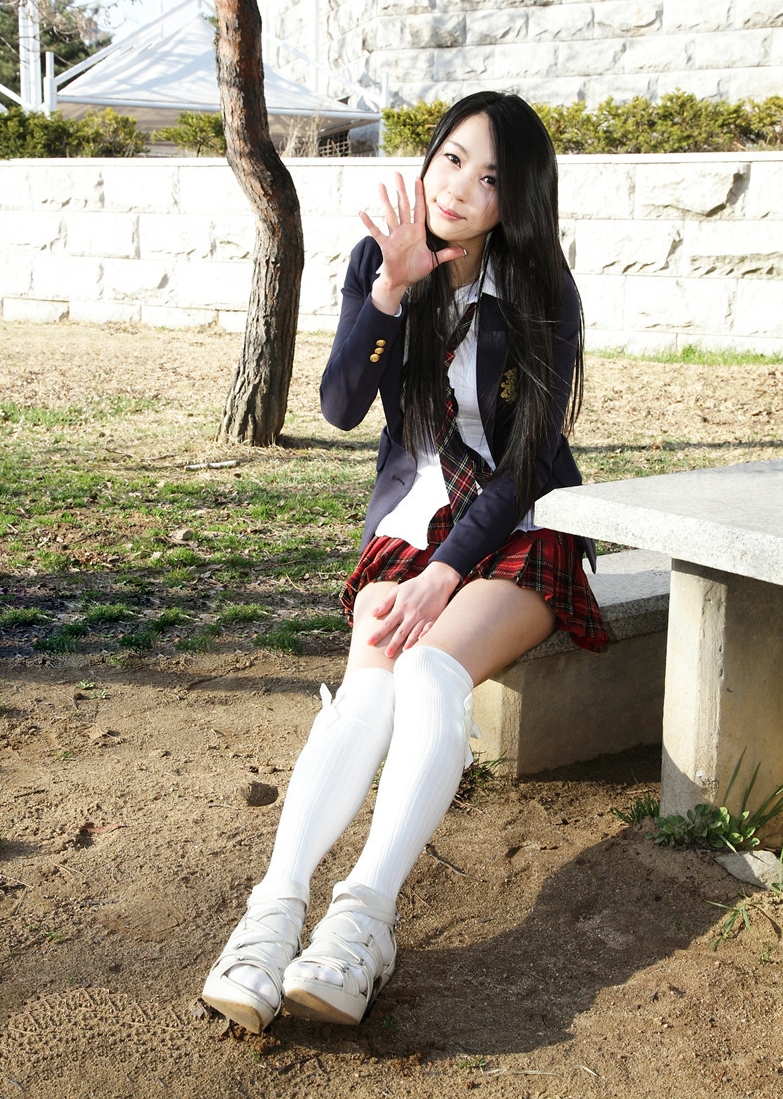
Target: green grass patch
694 354
647 459
21 616
202 641
64 640
107 613
90 513
145 637
237 613
100 410
288 636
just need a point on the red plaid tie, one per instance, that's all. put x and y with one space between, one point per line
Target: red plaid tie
464 471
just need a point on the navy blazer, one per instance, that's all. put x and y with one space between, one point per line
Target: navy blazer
367 358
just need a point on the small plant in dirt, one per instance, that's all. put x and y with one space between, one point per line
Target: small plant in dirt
738 916
714 826
477 780
472 1064
646 807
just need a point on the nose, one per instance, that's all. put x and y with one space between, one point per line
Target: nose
456 187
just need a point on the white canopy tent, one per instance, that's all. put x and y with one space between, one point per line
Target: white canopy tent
169 66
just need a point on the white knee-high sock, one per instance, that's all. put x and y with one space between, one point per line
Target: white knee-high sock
423 768
331 778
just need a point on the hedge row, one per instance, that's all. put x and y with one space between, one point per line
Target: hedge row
679 123
99 133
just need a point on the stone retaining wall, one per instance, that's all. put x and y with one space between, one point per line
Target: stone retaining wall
549 51
667 250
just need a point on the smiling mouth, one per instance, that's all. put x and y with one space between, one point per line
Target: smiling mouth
450 215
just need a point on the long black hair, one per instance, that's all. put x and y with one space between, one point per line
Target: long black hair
529 269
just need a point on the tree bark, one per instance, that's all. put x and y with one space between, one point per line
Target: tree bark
256 404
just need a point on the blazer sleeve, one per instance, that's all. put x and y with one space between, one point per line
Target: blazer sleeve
494 514
364 344
565 344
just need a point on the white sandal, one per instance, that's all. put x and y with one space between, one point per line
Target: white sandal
266 938
345 943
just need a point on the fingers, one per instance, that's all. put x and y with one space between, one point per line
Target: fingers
394 630
403 203
392 221
419 207
398 631
385 605
403 638
445 255
370 226
399 216
416 634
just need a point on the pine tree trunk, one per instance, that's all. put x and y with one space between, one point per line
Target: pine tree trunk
256 403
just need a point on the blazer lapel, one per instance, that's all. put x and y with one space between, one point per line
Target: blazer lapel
490 361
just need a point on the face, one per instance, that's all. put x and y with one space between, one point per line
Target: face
460 186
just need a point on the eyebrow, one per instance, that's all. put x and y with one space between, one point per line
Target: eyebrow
451 141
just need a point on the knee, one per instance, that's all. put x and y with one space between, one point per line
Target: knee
425 665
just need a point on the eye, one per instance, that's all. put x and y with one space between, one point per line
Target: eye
491 181
452 158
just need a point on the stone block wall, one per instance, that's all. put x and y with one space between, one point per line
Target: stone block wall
666 250
549 51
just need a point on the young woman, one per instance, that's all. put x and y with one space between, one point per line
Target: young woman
463 316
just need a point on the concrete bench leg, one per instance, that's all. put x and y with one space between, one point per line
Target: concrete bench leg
544 712
724 690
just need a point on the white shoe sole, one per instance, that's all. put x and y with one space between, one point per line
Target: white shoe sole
237 1003
322 1002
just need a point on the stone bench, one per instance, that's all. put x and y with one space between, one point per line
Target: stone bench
723 706
559 704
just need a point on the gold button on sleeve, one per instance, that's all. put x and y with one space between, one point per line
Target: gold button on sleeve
381 343
374 358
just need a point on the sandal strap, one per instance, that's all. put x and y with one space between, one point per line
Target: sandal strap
350 897
267 936
273 891
343 941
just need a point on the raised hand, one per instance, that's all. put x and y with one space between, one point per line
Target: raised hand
406 255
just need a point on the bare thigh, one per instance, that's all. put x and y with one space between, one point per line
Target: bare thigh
361 654
487 625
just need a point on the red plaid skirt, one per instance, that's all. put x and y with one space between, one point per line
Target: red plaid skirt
544 560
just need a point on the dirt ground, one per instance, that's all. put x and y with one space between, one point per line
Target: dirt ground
546 949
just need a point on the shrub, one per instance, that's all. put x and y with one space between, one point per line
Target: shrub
679 123
106 133
196 132
407 130
99 133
